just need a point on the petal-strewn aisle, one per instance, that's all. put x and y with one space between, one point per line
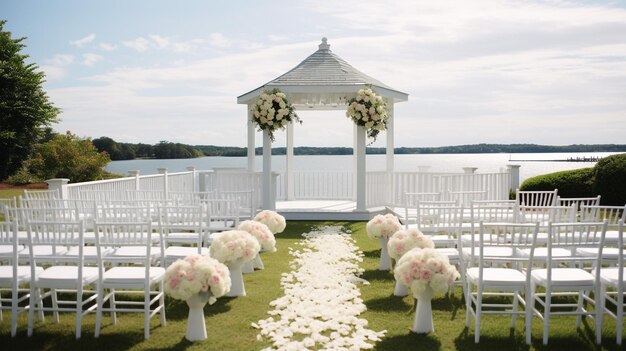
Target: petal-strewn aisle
321 304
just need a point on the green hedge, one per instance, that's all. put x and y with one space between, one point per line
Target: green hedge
610 180
574 183
607 178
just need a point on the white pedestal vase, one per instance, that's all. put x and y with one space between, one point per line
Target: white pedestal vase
196 328
385 259
423 322
400 289
236 278
248 267
257 263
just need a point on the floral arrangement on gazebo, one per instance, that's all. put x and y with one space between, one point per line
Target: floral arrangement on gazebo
368 110
272 111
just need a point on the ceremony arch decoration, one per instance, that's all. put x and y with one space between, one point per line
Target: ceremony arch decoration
322 81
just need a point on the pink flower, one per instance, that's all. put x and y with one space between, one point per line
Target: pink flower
426 274
174 283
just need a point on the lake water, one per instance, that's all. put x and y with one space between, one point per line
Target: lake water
486 163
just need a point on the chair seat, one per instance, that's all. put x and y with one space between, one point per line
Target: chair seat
136 251
8 249
441 240
490 251
563 277
610 276
611 236
132 276
466 239
452 253
608 253
89 252
182 237
184 251
66 277
42 252
23 275
542 252
497 276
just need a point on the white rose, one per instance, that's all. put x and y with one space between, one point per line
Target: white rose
284 122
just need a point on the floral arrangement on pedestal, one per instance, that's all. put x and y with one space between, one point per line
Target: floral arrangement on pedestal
261 232
368 110
197 274
420 269
403 241
232 245
383 226
272 111
275 222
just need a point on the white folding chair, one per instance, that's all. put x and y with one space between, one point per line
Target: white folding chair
560 279
221 214
611 214
74 277
488 212
131 274
182 225
245 201
613 289
578 201
410 204
465 198
497 272
536 198
41 194
14 278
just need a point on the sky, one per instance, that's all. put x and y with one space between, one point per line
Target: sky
480 71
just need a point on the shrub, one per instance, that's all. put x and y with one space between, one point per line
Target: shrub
67 156
610 179
574 183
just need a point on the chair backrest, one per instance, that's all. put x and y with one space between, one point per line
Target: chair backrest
487 211
47 203
121 213
8 237
41 194
511 237
465 198
190 197
48 214
126 234
446 219
5 205
536 198
102 195
578 201
611 214
182 217
546 214
56 235
411 199
140 195
244 199
223 211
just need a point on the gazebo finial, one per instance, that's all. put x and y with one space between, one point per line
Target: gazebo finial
324 45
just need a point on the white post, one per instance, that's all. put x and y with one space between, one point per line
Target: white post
390 146
165 181
136 175
289 180
60 185
251 141
194 180
514 170
355 171
360 169
266 181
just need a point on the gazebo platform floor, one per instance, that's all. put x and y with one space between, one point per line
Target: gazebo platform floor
326 210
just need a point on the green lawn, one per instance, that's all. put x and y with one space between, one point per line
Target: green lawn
228 321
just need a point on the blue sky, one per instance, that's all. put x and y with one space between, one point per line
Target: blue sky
485 71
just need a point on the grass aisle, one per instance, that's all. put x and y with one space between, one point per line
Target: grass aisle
228 320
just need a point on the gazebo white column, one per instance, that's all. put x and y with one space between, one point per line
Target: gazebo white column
251 140
360 168
389 135
289 164
266 181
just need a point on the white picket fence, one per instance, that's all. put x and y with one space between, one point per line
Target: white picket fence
382 188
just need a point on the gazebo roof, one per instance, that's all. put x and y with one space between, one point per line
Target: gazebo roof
323 79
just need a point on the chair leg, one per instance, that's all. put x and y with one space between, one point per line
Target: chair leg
14 309
79 313
99 306
31 311
55 306
579 309
113 307
530 306
479 302
468 304
546 317
620 317
514 309
599 311
146 313
162 305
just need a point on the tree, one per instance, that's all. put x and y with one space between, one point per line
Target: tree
25 110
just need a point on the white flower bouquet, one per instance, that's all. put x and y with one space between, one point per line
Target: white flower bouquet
232 245
197 274
272 111
368 110
422 268
261 232
404 240
275 222
383 226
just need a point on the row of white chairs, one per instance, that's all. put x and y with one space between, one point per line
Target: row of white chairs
566 275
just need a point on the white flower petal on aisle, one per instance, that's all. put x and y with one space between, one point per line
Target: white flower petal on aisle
321 304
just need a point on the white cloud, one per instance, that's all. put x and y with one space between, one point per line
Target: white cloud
107 47
55 68
219 40
82 41
140 44
90 59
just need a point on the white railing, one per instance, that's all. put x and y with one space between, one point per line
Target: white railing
382 188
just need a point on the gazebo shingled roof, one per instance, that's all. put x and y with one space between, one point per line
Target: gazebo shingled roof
323 76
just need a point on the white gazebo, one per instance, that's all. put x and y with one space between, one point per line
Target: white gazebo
323 81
